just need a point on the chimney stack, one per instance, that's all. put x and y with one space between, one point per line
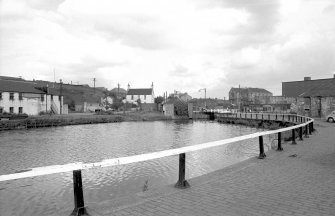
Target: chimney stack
307 78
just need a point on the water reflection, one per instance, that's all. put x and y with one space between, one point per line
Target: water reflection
52 195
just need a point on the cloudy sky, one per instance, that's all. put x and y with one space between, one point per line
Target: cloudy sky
182 45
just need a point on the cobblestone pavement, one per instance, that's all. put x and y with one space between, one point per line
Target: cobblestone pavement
297 181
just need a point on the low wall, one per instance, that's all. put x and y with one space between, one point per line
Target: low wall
259 123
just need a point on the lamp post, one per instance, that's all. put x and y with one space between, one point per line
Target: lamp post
204 89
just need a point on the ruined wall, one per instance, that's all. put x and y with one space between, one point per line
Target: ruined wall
314 106
327 105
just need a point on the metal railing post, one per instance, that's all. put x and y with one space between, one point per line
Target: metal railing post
279 148
300 134
306 131
261 148
182 183
293 137
79 206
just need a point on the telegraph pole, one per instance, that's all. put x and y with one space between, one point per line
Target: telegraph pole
239 98
118 89
61 96
94 83
204 89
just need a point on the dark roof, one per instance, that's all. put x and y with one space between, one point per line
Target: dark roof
147 91
19 86
308 88
258 90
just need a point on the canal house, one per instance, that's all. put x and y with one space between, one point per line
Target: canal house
142 95
19 97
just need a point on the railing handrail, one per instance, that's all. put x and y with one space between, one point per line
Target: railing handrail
46 170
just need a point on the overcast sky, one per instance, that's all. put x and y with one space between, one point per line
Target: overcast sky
183 45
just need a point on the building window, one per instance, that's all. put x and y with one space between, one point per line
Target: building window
11 96
20 96
132 97
42 98
20 110
11 109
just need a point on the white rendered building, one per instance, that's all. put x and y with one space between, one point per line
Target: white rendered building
19 96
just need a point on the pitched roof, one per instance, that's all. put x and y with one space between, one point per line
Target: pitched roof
146 91
19 86
258 90
307 88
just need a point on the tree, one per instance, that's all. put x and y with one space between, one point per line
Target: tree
159 99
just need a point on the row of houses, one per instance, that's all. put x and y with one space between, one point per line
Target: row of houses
18 96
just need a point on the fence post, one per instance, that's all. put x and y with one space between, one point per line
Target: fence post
79 206
306 131
256 116
283 117
300 134
312 127
262 116
261 148
182 183
289 117
293 137
279 148
276 116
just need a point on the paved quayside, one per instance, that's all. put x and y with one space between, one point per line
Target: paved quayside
297 181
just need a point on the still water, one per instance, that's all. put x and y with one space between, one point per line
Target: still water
53 194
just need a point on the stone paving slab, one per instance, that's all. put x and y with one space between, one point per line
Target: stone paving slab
297 181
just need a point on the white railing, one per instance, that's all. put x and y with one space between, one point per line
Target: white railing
182 183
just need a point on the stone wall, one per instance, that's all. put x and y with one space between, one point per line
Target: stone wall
274 100
314 106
